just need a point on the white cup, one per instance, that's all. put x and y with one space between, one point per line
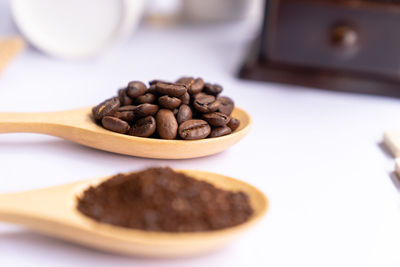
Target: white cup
76 28
220 10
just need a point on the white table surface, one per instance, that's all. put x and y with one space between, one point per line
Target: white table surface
316 154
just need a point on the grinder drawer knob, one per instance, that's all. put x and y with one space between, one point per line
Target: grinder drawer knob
344 36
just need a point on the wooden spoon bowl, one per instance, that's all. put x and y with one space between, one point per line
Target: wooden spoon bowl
78 126
52 211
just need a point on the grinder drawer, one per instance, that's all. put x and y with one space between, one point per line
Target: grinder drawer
350 35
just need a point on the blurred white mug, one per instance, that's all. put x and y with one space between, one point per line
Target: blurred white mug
76 28
221 10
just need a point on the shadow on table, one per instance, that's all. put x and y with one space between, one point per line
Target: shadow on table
385 150
395 180
68 149
54 146
55 249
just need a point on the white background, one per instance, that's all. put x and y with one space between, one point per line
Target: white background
315 154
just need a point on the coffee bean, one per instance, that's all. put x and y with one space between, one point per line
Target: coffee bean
206 103
127 108
220 131
106 108
216 119
152 89
186 81
188 99
198 95
115 124
143 127
127 116
167 125
146 98
136 89
196 87
194 129
212 89
233 124
123 98
144 110
169 102
185 98
154 82
184 114
227 105
171 89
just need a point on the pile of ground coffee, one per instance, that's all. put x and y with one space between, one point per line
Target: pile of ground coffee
188 109
160 199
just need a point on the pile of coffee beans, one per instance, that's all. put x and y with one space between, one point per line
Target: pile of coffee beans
160 199
187 109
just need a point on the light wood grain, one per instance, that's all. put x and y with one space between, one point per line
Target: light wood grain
78 126
391 139
52 211
9 48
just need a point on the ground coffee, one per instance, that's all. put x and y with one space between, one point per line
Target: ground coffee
160 199
160 110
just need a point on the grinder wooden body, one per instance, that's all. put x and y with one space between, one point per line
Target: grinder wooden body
348 45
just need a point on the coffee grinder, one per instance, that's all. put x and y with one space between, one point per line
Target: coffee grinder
342 45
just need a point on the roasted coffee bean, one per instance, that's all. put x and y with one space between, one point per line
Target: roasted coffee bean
143 127
194 129
227 105
115 124
206 103
127 116
212 89
146 98
185 98
198 95
127 108
184 114
167 125
152 89
136 89
171 89
233 124
220 131
196 87
186 81
216 119
124 99
154 82
144 110
106 108
169 102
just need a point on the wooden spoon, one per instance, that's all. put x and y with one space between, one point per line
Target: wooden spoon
79 126
391 139
52 211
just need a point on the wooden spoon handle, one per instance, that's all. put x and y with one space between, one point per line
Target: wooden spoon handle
10 207
31 210
34 204
28 122
75 125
